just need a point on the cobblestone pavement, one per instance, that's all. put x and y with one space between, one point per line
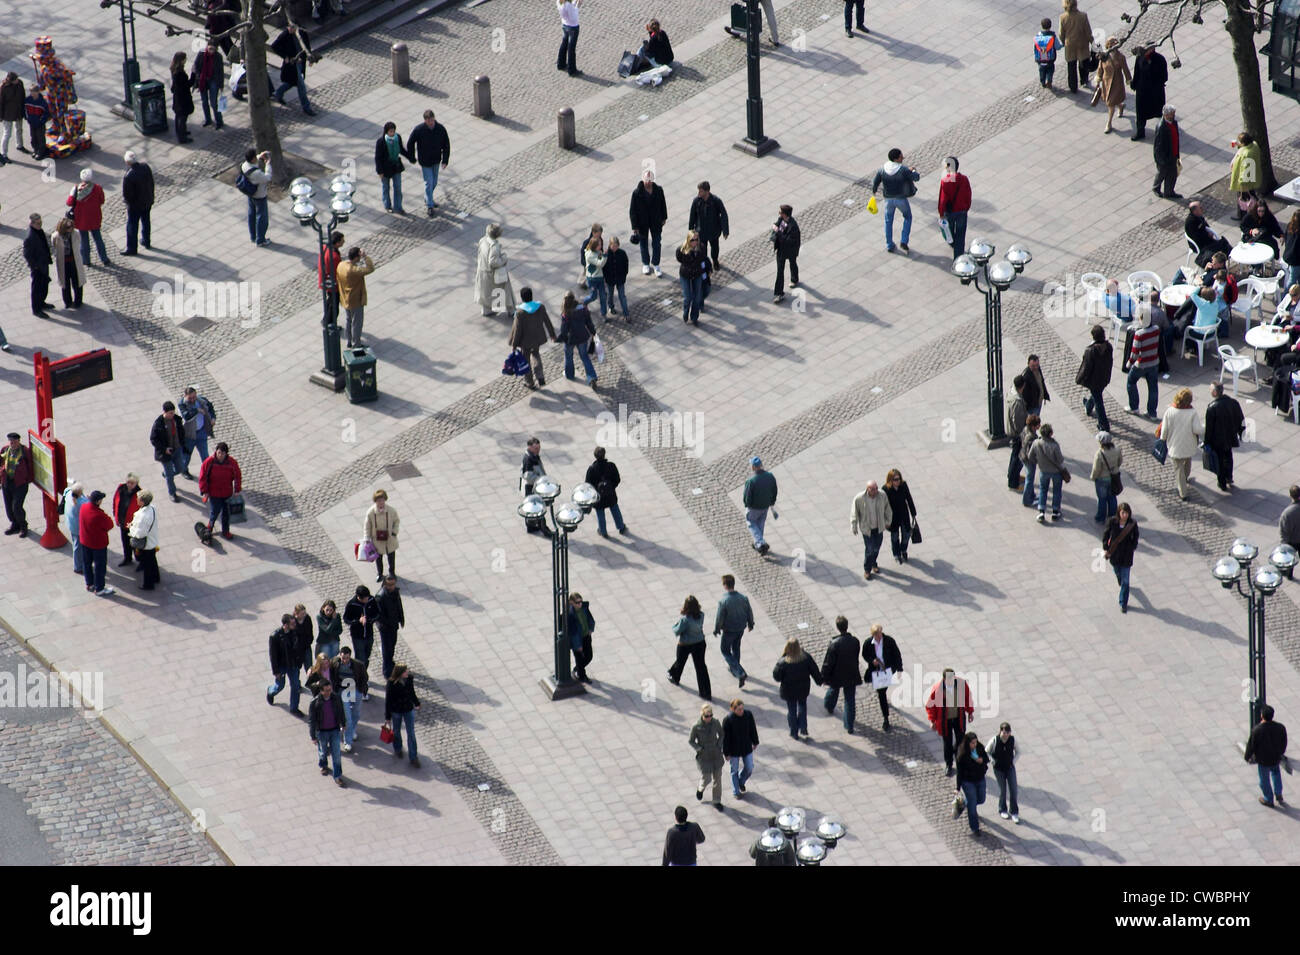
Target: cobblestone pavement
874 355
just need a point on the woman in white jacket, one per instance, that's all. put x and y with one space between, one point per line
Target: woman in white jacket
491 280
1181 428
145 525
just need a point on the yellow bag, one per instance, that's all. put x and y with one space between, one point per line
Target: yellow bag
871 206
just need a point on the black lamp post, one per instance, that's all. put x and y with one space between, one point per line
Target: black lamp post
130 65
539 506
1229 571
754 143
341 206
969 267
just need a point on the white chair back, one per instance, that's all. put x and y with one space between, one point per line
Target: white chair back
1145 277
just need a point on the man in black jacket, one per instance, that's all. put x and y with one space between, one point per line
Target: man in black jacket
785 239
391 616
430 146
36 250
1166 151
326 721
351 683
602 474
284 664
137 193
840 671
167 437
530 470
1016 415
881 653
1224 424
648 211
293 46
1197 228
1150 74
709 219
1094 374
361 614
679 847
1266 748
1035 392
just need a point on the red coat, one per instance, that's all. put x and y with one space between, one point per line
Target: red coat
23 472
954 195
132 504
331 258
220 478
93 526
88 213
934 703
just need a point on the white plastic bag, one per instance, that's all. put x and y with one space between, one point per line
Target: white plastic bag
600 350
236 72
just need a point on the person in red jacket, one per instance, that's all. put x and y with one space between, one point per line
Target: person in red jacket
219 480
93 526
949 705
327 266
125 504
87 202
954 203
15 476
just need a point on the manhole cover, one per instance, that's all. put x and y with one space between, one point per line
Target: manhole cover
403 470
197 324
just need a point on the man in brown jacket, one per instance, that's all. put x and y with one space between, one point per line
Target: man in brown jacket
531 330
352 292
1076 35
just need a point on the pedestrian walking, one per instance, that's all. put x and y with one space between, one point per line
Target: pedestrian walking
400 704
949 705
126 502
1119 540
1181 429
898 183
870 515
689 630
954 204
576 330
86 200
709 220
739 740
884 660
595 259
615 275
36 252
74 498
1225 423
138 194
381 529
68 264
1112 74
318 675
302 637
1266 748
352 274
391 617
352 684
1046 45
1246 172
219 480
329 629
972 765
785 241
12 94
256 168
796 671
293 46
1052 472
567 58
531 330
530 470
36 110
1076 37
1288 524
691 272
284 664
1027 439
1094 375
840 672
1105 475
182 99
222 17
198 416
326 719
1167 154
733 617
851 7
903 514
706 740
1002 752
361 613
580 624
327 275
602 474
15 478
430 146
1144 363
759 498
208 77
1016 415
683 837
389 168
647 211
1150 74
93 526
492 289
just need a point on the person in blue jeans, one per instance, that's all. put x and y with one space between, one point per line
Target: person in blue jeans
796 671
602 474
734 616
898 182
691 257
326 720
293 46
257 170
400 704
1027 439
1119 540
739 740
567 58
595 258
168 439
972 765
576 329
1266 748
351 682
284 664
840 672
430 146
1002 750
1046 453
1105 464
615 273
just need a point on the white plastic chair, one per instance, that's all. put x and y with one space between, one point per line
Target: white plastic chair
1094 283
1235 365
1138 279
1273 286
1200 337
1193 250
1250 300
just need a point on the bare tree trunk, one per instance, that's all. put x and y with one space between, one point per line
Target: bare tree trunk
261 117
1241 27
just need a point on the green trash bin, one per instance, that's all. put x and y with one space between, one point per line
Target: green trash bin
359 375
149 103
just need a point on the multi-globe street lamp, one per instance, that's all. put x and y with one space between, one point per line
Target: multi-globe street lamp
341 207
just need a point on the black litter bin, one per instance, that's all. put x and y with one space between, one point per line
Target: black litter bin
149 103
359 375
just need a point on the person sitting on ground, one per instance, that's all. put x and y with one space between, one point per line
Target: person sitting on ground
655 48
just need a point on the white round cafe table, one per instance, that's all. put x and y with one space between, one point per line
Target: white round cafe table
1176 295
1251 253
1266 336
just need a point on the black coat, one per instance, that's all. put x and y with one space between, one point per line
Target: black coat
1224 423
1163 145
384 164
647 211
287 47
786 241
901 505
354 673
354 611
575 329
1097 366
400 697
302 639
1122 556
739 734
604 477
429 147
314 712
281 652
11 100
840 665
137 187
1197 229
161 439
796 679
658 48
391 614
709 217
1267 743
182 99
1150 74
691 263
888 648
1034 394
36 250
615 270
972 767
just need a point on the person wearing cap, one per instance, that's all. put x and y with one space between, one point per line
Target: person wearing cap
74 496
87 203
1105 468
38 254
166 436
760 494
137 193
93 526
1150 74
126 502
145 525
15 476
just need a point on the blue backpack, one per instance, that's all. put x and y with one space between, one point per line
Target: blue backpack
1045 48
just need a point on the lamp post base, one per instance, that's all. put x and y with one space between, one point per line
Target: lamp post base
560 691
333 380
991 443
757 148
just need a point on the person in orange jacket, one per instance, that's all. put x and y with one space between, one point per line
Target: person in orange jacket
949 706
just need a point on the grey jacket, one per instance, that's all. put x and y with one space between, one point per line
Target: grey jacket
1289 525
897 180
706 740
734 614
1046 453
1017 412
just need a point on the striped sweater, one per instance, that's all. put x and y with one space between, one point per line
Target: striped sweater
1146 347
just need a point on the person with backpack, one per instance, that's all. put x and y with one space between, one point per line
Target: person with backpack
709 219
899 184
1046 46
615 274
254 175
602 474
1002 751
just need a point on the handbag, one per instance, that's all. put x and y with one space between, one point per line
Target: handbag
627 64
500 276
1209 459
1065 475
385 733
1116 485
1160 450
516 363
237 515
916 532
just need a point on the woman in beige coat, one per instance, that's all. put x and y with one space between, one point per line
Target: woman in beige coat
1076 34
1182 429
492 288
68 263
381 530
1113 76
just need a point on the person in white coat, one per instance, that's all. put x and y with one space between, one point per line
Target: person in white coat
68 263
145 526
1181 429
491 280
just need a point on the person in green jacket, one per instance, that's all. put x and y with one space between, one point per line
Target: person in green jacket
1245 175
760 494
706 740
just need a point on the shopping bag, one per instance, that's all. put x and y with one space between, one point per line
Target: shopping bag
237 515
1209 459
385 733
882 679
516 363
600 350
1160 450
236 74
945 230
872 206
365 551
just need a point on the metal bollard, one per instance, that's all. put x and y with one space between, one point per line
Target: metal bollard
401 65
564 128
482 97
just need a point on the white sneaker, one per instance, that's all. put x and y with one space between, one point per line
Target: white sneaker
106 592
659 273
347 747
645 270
1005 815
1016 820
